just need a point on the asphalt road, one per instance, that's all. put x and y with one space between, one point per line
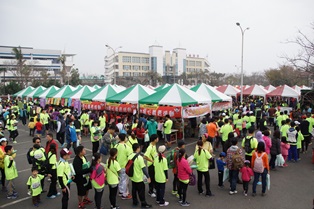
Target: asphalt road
291 187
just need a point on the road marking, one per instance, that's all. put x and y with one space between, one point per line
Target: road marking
14 202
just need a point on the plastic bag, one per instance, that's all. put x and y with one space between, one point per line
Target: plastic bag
192 181
226 174
279 160
146 138
268 181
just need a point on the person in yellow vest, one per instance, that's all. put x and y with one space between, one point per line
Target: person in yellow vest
34 186
85 122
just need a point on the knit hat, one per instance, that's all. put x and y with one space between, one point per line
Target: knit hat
162 148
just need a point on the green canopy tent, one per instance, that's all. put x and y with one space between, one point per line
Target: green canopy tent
102 94
37 90
25 91
79 93
61 92
50 90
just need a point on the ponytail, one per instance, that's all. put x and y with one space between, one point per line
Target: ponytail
181 154
113 152
160 156
200 144
95 158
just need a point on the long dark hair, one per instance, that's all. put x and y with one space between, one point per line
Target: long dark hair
181 153
260 147
112 153
95 158
200 144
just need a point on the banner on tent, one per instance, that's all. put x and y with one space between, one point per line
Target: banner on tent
221 106
192 112
116 107
161 111
90 105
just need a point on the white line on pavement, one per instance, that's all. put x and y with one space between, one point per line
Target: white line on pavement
14 202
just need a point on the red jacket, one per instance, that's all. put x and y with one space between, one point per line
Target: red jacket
48 143
184 169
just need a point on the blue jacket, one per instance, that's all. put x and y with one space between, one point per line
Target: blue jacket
220 164
70 134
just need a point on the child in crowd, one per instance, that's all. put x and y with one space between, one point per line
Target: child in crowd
247 173
10 172
284 149
221 167
300 138
31 126
34 186
38 127
98 178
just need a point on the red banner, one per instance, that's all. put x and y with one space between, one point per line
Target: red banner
116 107
90 105
221 106
161 111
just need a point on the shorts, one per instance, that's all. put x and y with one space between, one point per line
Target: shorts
167 137
38 131
47 126
81 189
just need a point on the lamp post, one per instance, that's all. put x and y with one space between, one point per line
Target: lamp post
242 32
114 56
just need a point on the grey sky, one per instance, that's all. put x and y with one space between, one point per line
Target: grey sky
204 27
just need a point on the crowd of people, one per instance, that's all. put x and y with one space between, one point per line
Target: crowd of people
133 156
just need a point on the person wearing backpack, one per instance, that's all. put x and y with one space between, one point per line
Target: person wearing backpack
97 177
249 144
235 162
139 170
172 162
40 160
260 167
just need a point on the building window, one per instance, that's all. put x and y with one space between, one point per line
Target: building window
136 67
126 59
198 63
191 63
145 68
154 63
126 74
136 59
126 67
145 60
135 74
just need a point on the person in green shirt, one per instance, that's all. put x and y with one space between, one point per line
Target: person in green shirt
85 122
95 135
34 186
52 171
285 127
131 138
138 186
10 172
249 143
64 176
225 130
123 152
112 173
201 157
102 121
150 155
252 119
167 131
161 175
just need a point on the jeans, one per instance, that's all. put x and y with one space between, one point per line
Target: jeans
256 178
272 161
97 197
53 183
160 190
138 188
200 175
113 195
293 153
183 187
233 178
123 183
151 172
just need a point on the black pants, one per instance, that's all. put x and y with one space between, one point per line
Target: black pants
65 198
151 172
14 134
2 177
53 183
42 182
31 131
138 188
220 178
60 137
95 147
160 190
175 182
74 145
183 187
97 197
246 186
272 161
36 199
159 134
305 142
247 157
200 175
113 195
244 131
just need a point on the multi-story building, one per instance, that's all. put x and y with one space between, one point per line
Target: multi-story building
36 60
136 64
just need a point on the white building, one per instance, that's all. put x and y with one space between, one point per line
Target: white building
36 59
165 63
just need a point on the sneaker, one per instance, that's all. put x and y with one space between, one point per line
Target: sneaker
174 192
157 202
12 196
221 187
259 183
36 205
120 194
126 197
152 194
87 201
209 195
146 206
14 142
81 205
178 196
58 194
165 204
245 194
233 192
201 193
51 197
185 204
254 194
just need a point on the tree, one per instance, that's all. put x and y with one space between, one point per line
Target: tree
63 72
154 77
285 75
11 88
21 71
216 78
75 77
304 59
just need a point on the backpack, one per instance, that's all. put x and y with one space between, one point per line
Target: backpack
237 160
30 159
129 168
44 164
171 159
247 145
258 164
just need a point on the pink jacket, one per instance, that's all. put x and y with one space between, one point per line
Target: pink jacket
184 169
284 148
267 141
98 174
247 172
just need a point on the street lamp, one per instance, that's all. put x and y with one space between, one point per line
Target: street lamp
242 32
114 56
